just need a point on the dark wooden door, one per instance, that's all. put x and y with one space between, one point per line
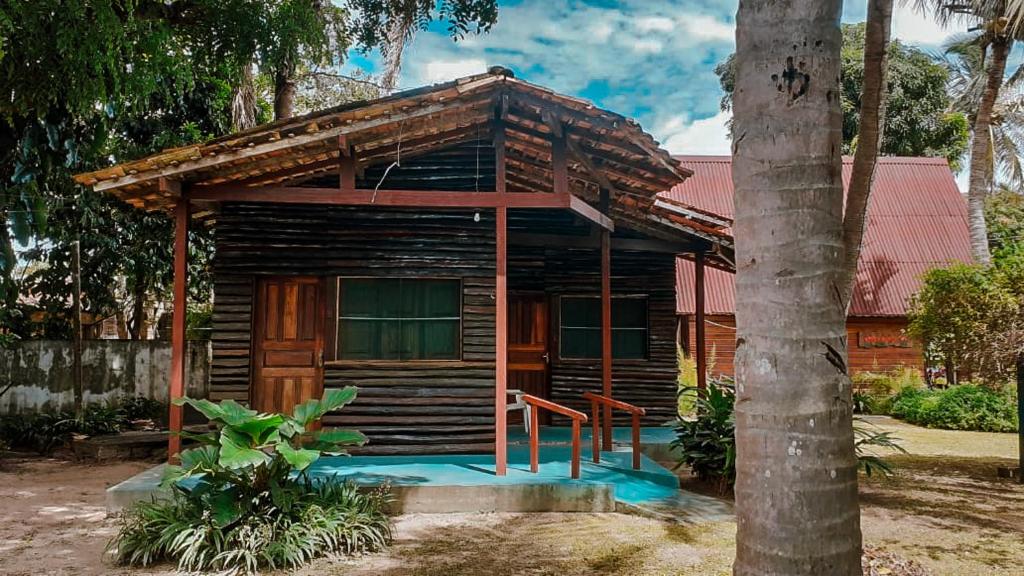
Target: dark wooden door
287 342
528 352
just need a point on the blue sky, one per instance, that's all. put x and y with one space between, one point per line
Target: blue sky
652 60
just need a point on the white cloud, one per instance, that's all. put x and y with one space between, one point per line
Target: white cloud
436 71
646 46
655 24
707 28
913 27
705 136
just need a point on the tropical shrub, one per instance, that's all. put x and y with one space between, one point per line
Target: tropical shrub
143 408
707 442
963 407
243 500
863 403
44 432
686 381
873 391
866 437
970 318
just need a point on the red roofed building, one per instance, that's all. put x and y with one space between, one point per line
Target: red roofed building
917 220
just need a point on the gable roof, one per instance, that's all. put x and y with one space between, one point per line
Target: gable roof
917 220
450 121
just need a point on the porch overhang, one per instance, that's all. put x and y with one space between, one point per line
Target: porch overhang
488 141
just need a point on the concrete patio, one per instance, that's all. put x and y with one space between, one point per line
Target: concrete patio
467 483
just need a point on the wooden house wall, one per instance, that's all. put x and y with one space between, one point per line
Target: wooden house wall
412 407
863 356
406 407
650 383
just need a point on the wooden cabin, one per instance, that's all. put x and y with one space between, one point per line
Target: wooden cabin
917 220
436 248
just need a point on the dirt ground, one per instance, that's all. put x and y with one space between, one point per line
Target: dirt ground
946 510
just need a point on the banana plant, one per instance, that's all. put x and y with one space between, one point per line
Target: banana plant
253 455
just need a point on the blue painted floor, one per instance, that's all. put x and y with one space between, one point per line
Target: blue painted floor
651 484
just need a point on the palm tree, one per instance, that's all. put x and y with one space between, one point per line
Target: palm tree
997 24
796 484
1003 159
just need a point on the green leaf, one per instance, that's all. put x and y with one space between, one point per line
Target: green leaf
234 414
199 459
224 508
290 428
299 459
235 454
205 407
260 427
208 438
334 398
341 437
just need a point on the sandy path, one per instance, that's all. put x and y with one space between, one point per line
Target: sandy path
53 520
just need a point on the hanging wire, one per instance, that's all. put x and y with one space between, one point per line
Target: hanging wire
397 162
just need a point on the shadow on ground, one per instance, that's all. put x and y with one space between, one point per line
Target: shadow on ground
955 512
548 545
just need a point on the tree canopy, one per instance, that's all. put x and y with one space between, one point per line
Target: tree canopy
918 121
91 82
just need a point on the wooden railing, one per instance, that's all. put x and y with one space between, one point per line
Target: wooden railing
596 402
536 404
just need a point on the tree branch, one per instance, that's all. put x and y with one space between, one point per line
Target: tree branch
869 139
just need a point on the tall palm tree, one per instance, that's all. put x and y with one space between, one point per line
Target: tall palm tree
1004 158
997 24
796 471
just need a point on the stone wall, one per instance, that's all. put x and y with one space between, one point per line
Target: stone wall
41 371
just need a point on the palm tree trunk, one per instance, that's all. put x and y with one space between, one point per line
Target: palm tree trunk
869 139
980 173
796 485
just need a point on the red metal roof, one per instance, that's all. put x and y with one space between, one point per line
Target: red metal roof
917 220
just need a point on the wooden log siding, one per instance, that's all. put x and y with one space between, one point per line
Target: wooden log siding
413 407
649 383
423 407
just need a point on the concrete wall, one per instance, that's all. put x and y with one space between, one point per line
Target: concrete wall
42 374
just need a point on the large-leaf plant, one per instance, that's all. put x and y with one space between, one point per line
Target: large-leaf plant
254 460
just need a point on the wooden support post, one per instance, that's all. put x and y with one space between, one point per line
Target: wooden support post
606 326
698 307
595 430
575 466
177 379
346 165
559 166
534 438
501 317
636 441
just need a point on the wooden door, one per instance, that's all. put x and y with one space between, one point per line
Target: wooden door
287 343
528 353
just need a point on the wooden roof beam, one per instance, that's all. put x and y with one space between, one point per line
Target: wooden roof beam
257 150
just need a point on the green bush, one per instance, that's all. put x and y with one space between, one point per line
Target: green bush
707 443
243 500
964 407
44 432
301 521
874 391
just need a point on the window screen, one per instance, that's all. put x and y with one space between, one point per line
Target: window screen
399 319
580 329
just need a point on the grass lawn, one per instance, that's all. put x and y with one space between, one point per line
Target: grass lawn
946 510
